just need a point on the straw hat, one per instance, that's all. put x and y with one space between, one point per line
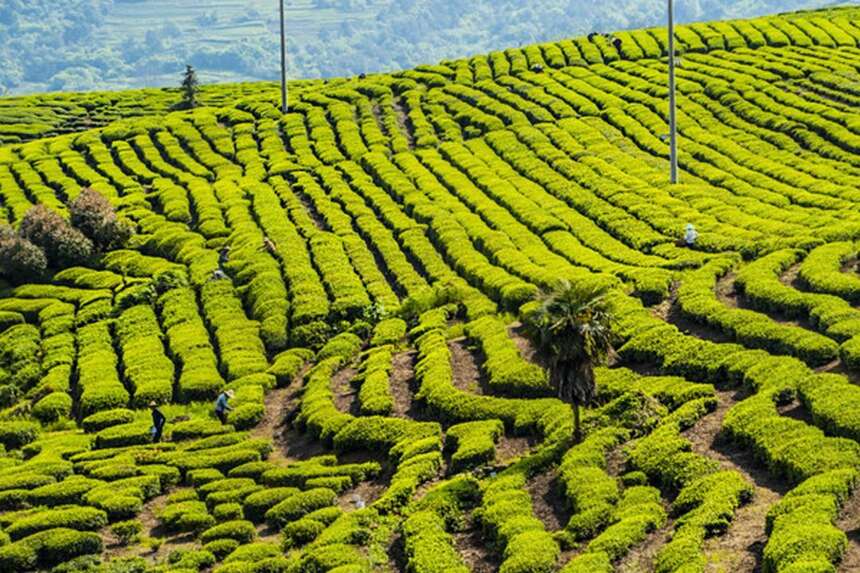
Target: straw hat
152 404
230 393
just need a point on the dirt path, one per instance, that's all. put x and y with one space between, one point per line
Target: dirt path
510 448
641 558
474 549
467 371
547 503
288 444
401 383
726 292
345 394
673 314
739 550
403 121
662 309
729 296
516 332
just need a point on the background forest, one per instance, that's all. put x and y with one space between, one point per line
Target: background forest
111 44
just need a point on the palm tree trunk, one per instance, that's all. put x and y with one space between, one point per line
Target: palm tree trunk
577 426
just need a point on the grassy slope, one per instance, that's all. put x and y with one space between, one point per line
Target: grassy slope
476 181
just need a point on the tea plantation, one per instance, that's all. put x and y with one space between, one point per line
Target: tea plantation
385 237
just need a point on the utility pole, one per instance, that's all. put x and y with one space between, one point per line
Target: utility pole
673 125
283 62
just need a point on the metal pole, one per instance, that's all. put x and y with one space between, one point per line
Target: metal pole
673 125
283 62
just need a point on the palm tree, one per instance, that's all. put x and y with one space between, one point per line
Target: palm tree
572 332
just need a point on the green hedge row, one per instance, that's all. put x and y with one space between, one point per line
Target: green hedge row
509 373
671 391
821 271
309 303
639 512
329 251
590 493
98 378
359 253
801 525
437 391
450 236
507 519
428 545
187 339
374 394
147 369
708 497
698 301
47 549
473 443
254 268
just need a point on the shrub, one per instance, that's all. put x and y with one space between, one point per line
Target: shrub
300 504
253 552
127 531
186 516
388 331
257 504
300 532
247 416
20 260
287 365
14 435
221 548
253 470
134 433
24 480
227 484
193 560
75 517
343 346
53 407
120 506
240 530
204 476
64 246
48 548
428 547
197 428
530 552
474 443
95 217
227 511
589 563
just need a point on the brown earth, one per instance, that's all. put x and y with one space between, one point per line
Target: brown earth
739 550
401 382
465 364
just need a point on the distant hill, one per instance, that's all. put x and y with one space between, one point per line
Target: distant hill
46 45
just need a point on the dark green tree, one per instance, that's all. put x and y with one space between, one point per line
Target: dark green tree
190 88
572 332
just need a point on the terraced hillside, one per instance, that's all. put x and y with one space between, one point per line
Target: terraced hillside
384 234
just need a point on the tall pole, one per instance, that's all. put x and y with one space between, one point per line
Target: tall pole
673 125
283 62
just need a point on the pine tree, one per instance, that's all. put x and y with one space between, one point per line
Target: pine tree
190 88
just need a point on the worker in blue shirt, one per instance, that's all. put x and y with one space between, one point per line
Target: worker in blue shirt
222 405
